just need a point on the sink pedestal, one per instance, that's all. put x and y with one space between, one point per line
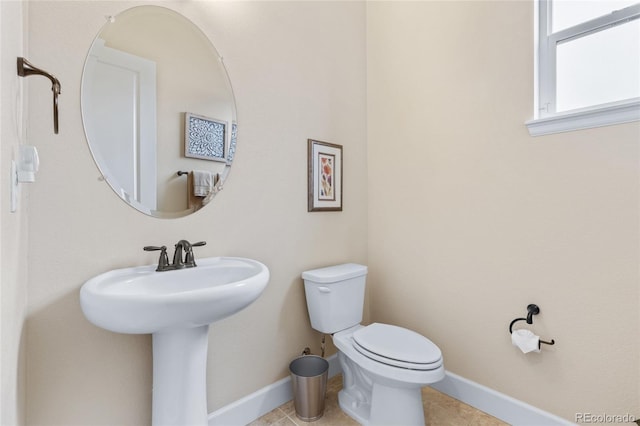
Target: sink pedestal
180 377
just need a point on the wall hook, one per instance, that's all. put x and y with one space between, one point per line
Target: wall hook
25 69
531 311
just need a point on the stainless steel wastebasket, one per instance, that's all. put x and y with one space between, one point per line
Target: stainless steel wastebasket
309 379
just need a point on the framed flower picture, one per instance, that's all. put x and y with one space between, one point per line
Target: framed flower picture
205 138
324 176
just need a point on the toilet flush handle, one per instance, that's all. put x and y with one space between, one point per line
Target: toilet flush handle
324 289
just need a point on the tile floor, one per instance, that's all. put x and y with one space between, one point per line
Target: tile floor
439 410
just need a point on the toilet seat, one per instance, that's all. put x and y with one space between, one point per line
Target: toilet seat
397 346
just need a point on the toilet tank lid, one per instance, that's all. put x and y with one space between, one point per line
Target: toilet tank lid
336 273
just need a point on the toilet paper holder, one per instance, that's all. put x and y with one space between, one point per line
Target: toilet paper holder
531 311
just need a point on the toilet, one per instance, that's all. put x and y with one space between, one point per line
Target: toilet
384 366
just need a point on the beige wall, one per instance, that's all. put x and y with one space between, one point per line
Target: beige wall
297 70
13 226
471 219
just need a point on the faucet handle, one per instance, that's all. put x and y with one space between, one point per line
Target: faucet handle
190 259
163 261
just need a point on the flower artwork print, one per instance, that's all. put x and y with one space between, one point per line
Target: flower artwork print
326 192
205 138
324 177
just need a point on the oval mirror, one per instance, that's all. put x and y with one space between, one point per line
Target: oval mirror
158 111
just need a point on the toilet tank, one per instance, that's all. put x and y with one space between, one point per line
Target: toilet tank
335 296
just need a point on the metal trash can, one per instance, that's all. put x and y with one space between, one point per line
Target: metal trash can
309 378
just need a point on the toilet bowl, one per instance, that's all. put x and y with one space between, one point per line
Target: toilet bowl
384 366
376 389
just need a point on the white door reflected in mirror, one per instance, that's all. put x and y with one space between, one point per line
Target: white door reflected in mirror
122 86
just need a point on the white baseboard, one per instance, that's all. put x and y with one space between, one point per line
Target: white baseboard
501 406
259 403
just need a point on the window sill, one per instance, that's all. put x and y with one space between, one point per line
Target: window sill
585 119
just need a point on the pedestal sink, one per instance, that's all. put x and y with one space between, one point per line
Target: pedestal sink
176 307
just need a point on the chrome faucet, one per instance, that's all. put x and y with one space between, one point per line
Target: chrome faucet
180 261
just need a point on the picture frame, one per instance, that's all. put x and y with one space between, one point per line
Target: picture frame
205 138
232 142
324 164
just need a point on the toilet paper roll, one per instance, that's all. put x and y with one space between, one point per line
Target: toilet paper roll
525 340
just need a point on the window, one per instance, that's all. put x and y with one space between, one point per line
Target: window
588 64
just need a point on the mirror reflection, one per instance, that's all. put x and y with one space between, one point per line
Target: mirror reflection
158 111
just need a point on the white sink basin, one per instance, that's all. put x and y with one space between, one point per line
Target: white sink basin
140 300
176 307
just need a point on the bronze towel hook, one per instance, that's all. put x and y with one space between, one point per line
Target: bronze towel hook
25 69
